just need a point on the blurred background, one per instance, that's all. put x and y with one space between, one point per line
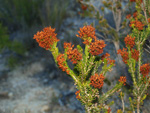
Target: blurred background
30 81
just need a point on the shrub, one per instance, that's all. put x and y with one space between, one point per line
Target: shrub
88 79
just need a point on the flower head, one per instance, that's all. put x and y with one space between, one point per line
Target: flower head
97 81
139 25
96 47
128 16
135 54
124 55
68 45
149 20
78 94
46 38
132 0
105 56
61 63
145 69
84 7
110 61
86 33
108 110
74 55
136 0
129 41
135 14
123 80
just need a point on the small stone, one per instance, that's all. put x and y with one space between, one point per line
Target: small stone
26 53
45 108
45 80
52 75
10 94
4 95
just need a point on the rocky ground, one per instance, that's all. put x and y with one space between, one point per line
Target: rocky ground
37 87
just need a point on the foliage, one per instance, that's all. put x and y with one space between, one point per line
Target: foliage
52 14
15 46
4 37
86 62
27 13
140 24
20 12
139 21
111 30
5 42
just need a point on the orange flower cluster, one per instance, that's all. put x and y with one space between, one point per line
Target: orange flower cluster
73 54
108 110
97 81
60 59
67 45
135 14
124 54
135 54
84 7
46 38
96 47
139 25
108 59
132 0
85 32
136 0
122 80
149 20
78 94
145 69
129 41
105 56
128 16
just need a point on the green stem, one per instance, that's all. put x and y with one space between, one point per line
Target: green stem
138 104
55 54
122 103
139 60
72 74
85 62
110 92
145 87
132 70
86 57
90 65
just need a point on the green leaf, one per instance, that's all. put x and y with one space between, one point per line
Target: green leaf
97 15
79 48
143 98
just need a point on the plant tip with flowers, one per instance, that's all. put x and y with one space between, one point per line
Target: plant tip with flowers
88 80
